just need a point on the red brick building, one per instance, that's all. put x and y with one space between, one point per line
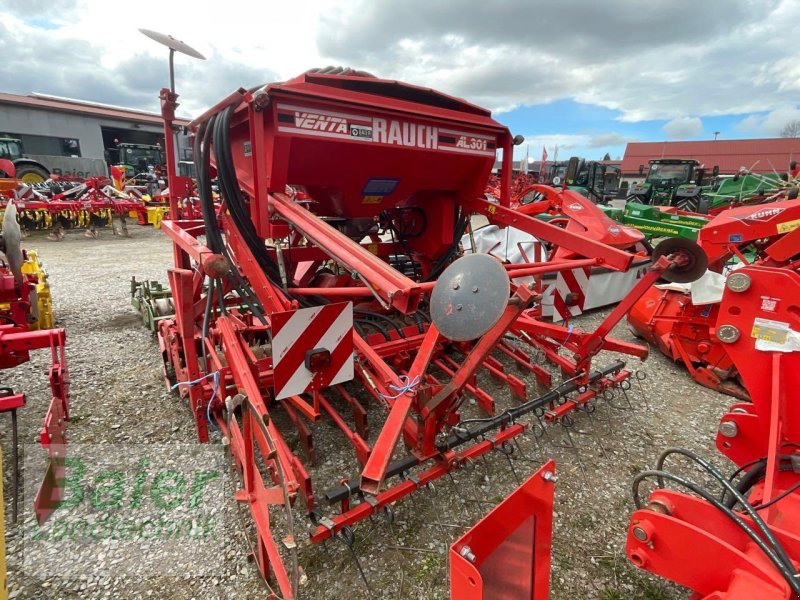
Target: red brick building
759 155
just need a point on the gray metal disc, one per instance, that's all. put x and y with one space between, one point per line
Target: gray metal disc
469 297
694 263
171 42
12 241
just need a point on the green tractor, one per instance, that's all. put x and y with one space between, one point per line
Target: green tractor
28 170
670 182
595 180
137 158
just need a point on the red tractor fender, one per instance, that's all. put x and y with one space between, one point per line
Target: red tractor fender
8 167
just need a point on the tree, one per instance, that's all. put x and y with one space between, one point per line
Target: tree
607 156
791 129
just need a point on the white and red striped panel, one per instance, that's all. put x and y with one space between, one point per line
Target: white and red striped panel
575 282
296 332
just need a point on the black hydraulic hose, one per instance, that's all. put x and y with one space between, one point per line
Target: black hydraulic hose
460 226
709 468
221 296
385 318
505 418
785 572
377 326
779 497
230 187
749 479
753 476
202 157
359 329
418 321
214 238
203 166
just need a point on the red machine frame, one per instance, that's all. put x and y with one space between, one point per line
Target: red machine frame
765 235
675 534
229 383
506 555
16 343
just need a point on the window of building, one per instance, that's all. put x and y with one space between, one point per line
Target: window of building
49 145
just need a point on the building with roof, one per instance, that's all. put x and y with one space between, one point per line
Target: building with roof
63 127
758 155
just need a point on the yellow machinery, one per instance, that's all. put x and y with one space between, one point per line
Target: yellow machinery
44 301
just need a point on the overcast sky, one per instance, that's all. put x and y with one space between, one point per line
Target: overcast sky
583 74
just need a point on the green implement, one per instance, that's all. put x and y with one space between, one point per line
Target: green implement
655 222
153 301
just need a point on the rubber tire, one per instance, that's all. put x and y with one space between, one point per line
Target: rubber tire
688 203
39 174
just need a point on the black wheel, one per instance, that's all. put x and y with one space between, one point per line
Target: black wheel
32 173
688 203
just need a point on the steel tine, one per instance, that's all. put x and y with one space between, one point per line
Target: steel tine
534 432
464 502
640 377
349 540
521 456
625 386
589 408
610 395
621 392
566 424
507 449
435 506
475 494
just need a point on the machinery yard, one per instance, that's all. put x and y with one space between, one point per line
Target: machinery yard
284 332
117 380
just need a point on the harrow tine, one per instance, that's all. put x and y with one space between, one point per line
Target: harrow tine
507 449
476 501
623 388
605 419
619 392
640 376
438 521
521 454
431 492
348 538
402 582
567 423
463 500
589 409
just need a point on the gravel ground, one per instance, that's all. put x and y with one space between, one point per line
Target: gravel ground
118 399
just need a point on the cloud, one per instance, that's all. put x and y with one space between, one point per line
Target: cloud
85 58
661 59
682 128
653 60
591 146
610 138
770 124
